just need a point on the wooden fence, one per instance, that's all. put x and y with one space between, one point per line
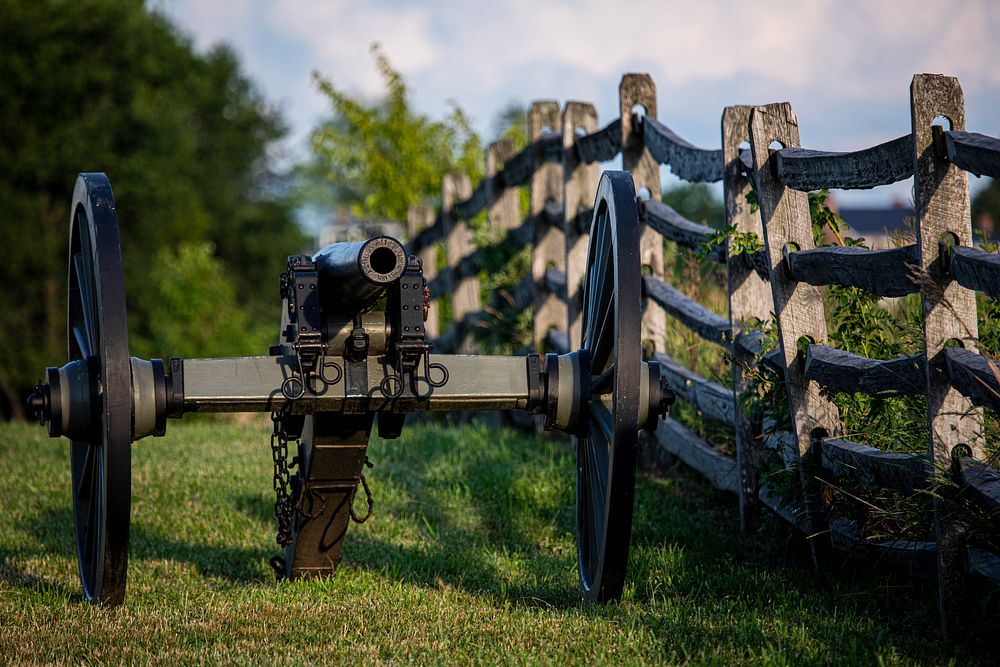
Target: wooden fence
760 153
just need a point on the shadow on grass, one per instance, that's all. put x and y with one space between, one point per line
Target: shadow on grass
233 564
491 513
14 576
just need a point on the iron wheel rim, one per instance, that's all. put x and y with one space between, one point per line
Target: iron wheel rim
606 457
98 333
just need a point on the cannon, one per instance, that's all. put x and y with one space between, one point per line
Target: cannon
351 355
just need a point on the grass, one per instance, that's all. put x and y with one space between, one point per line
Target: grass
470 557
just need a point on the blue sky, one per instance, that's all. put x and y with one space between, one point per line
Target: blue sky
845 65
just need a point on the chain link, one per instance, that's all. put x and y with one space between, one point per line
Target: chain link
368 496
281 481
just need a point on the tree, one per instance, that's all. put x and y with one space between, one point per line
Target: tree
106 85
986 210
362 150
698 203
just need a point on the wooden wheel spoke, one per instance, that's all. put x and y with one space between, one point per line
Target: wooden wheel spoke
82 343
87 306
85 488
94 501
597 274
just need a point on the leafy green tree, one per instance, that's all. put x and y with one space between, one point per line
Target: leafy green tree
697 202
107 85
382 157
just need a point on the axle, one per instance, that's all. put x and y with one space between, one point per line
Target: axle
559 388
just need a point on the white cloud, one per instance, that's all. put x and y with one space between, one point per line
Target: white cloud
845 64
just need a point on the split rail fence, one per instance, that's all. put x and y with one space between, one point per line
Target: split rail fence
760 152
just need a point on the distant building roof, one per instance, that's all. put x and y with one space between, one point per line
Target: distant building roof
870 221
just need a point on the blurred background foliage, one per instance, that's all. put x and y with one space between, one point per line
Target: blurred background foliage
107 85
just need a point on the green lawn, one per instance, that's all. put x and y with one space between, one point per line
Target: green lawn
470 557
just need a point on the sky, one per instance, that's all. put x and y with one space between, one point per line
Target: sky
845 65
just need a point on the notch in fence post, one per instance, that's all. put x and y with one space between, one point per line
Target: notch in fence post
749 299
418 218
941 198
549 249
503 210
458 244
580 189
638 90
798 307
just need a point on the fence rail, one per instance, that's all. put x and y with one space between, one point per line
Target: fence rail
560 168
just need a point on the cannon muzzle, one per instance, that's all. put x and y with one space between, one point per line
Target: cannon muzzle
353 276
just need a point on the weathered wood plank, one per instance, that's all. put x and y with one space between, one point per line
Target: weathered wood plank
475 202
600 146
981 485
839 370
874 468
751 343
558 341
464 289
975 269
549 245
674 227
579 190
941 202
555 281
985 565
687 161
803 169
798 307
707 324
555 215
418 219
771 498
584 217
503 203
880 272
974 152
427 236
918 557
639 89
519 169
716 467
760 263
749 300
439 285
974 376
709 397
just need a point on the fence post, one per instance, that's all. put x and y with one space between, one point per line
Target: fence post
579 192
749 299
639 89
549 249
419 218
941 198
503 210
458 244
798 307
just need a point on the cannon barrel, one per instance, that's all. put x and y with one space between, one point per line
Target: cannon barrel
353 275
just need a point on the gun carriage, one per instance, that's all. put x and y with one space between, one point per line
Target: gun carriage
352 355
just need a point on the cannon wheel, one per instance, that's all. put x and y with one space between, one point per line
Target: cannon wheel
98 333
606 457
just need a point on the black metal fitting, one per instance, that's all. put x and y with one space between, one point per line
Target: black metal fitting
536 384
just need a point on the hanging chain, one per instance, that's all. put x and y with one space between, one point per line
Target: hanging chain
368 497
281 481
